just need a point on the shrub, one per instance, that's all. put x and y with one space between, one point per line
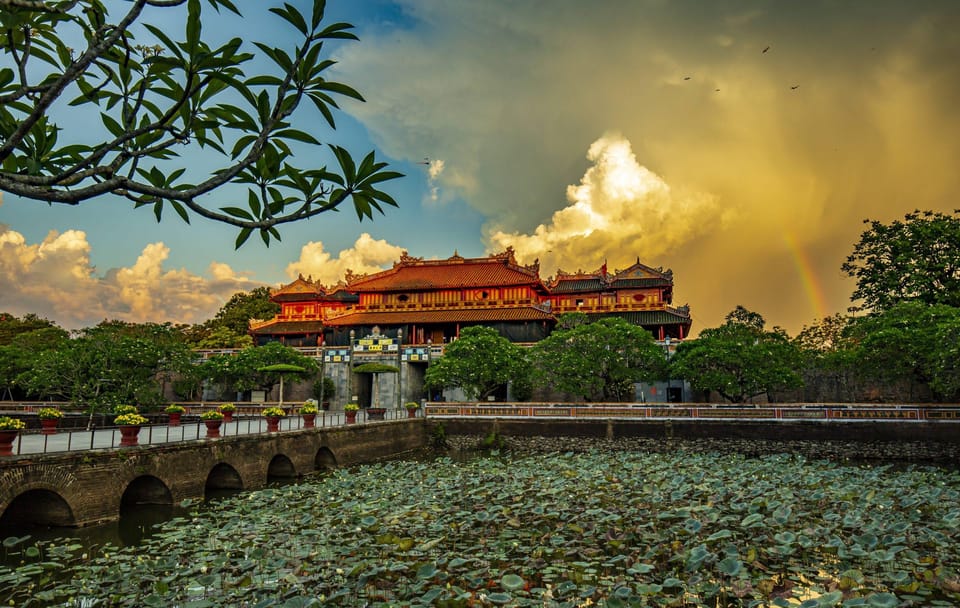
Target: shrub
124 409
411 405
130 419
11 424
274 412
351 407
175 409
309 407
228 407
211 415
49 413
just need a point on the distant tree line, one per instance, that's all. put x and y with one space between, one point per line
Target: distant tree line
900 341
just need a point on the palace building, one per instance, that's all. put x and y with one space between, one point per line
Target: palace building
421 302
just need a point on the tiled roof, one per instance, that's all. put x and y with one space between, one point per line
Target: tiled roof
415 274
578 284
647 317
468 315
290 327
646 282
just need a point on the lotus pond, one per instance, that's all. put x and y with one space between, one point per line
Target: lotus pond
612 529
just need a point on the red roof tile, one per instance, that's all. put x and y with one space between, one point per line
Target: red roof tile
460 315
416 274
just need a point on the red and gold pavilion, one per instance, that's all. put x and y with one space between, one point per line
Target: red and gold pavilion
430 301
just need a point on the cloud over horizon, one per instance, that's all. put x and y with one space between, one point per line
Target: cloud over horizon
55 279
829 126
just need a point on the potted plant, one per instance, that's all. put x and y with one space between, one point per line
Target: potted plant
350 411
412 407
273 416
49 419
309 413
129 424
175 412
9 429
212 419
227 409
124 409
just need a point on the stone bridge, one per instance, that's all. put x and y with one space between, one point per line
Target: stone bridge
90 487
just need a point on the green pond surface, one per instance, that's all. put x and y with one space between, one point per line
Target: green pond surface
625 528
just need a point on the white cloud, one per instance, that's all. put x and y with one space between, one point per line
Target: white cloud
366 256
56 280
618 211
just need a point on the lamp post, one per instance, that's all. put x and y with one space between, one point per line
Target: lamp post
353 335
399 368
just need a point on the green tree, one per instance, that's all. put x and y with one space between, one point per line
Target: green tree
739 360
914 259
830 354
18 356
109 364
157 97
902 344
599 361
479 362
248 369
228 328
12 326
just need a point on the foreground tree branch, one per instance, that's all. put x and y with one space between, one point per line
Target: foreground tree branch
160 101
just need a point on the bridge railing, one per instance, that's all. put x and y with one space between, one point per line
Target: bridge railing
82 439
689 411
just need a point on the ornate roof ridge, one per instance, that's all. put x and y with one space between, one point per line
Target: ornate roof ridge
506 257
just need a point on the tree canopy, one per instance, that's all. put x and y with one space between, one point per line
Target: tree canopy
109 364
479 362
159 96
917 258
739 360
598 361
258 367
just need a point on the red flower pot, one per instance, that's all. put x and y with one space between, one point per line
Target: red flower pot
175 418
273 424
351 416
213 428
128 435
227 416
309 421
48 426
6 442
411 412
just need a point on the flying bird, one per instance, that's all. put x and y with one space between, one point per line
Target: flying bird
765 49
795 87
686 78
425 161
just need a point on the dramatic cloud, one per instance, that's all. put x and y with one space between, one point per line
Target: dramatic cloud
620 210
833 123
55 279
366 256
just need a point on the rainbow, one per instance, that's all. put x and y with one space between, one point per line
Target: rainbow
808 277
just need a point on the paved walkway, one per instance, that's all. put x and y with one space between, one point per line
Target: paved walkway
67 440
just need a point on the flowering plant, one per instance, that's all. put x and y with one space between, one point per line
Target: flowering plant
175 409
49 413
228 407
351 407
211 415
11 424
130 419
274 412
124 409
411 405
308 407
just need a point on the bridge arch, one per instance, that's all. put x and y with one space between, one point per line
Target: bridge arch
325 459
38 506
145 490
280 467
223 477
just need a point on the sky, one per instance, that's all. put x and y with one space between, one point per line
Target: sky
739 143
